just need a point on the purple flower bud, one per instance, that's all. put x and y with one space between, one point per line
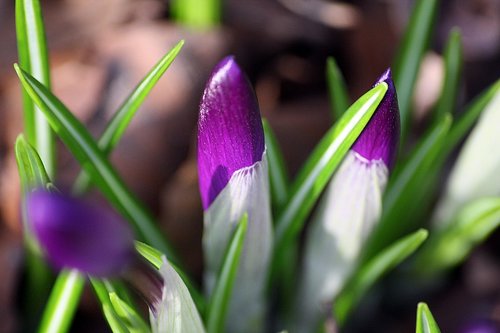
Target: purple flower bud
230 134
233 174
76 234
379 140
481 326
348 211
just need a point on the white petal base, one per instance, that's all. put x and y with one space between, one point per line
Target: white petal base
348 211
247 191
177 312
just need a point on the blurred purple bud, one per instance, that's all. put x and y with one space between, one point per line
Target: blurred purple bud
230 134
481 326
76 234
380 138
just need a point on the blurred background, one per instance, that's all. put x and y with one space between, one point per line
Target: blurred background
99 50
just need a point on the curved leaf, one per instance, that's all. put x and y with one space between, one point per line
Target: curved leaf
367 274
337 91
411 51
451 245
86 151
124 115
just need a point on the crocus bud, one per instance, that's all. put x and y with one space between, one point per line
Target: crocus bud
348 211
76 234
233 176
481 326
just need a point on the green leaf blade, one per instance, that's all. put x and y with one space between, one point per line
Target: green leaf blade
337 90
412 48
63 302
278 177
132 320
33 56
450 246
453 59
125 113
220 299
367 274
86 151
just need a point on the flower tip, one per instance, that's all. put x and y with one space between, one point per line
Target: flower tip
230 133
75 234
380 138
385 77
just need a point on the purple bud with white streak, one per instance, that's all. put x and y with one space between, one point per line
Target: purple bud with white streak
233 177
348 211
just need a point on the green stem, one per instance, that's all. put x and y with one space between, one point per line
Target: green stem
62 303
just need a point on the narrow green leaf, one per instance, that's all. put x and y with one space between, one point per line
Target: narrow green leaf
39 276
114 321
32 49
278 177
463 124
367 274
453 60
64 297
62 303
122 118
450 246
337 91
410 54
407 189
103 289
128 316
83 147
425 320
154 257
222 293
322 163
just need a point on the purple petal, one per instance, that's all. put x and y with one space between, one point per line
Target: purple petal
230 134
380 138
78 235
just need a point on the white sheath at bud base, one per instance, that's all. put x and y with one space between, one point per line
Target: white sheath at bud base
348 212
176 312
246 192
346 215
